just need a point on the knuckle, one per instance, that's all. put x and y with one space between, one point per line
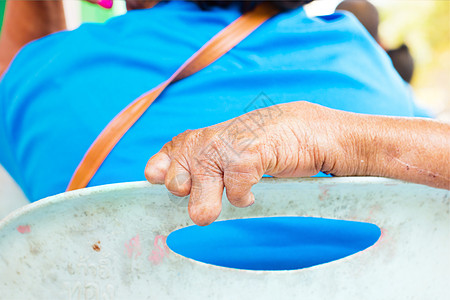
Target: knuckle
167 148
238 182
177 188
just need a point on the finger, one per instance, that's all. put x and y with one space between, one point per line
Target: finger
238 187
178 179
205 202
157 168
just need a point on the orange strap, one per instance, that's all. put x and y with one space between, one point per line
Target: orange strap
220 44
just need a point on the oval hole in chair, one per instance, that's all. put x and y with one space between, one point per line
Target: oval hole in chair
273 243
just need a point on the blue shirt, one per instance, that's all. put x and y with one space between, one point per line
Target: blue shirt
62 90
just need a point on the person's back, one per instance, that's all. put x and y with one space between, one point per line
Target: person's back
62 90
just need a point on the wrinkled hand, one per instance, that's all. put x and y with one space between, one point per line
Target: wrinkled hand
280 140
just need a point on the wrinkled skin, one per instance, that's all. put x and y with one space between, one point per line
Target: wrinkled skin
295 140
237 153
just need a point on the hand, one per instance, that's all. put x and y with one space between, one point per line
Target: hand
281 141
292 140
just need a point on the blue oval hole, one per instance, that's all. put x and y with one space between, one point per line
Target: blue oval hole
273 243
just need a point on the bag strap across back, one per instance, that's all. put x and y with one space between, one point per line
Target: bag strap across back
220 44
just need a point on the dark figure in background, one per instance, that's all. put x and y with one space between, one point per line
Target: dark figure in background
367 14
403 62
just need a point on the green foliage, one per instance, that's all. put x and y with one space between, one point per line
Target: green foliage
2 12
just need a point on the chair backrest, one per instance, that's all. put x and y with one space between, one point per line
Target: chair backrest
110 241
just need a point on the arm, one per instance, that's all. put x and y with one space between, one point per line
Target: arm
292 140
410 149
26 21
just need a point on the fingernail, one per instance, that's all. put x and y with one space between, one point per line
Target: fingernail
105 3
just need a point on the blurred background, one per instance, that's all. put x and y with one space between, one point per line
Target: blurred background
423 25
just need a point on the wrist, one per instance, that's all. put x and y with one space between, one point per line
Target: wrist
348 147
313 126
